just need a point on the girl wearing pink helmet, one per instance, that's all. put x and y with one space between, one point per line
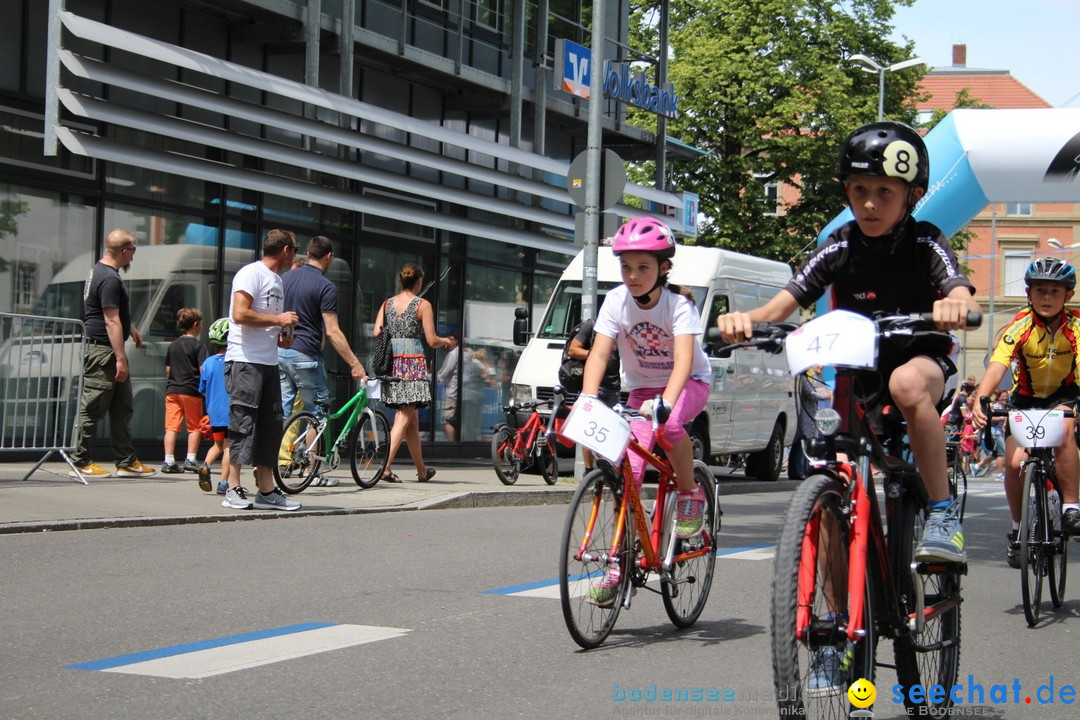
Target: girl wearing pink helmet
655 325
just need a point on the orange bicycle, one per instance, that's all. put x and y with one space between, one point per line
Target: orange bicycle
607 529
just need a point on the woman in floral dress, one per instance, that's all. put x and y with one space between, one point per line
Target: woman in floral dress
408 316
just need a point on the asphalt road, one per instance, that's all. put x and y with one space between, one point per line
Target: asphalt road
438 614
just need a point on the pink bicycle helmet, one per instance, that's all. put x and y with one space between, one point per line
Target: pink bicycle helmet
645 234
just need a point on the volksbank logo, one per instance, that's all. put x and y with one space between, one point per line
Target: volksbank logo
634 89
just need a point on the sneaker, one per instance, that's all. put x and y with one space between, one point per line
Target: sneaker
1070 522
603 593
204 478
90 470
828 671
191 466
324 481
222 487
274 500
1012 550
236 498
134 469
689 514
171 468
942 538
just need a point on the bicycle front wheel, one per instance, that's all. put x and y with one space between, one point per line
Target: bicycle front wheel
593 585
814 663
1057 563
507 465
686 590
1031 536
933 656
297 462
369 446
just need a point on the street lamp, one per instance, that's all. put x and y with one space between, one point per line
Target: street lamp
1055 243
868 65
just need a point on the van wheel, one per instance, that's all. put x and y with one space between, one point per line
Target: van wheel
765 464
699 442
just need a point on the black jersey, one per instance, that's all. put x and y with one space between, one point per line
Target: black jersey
905 272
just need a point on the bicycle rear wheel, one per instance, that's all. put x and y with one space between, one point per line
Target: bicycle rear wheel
297 464
1057 562
809 635
507 464
933 656
369 446
549 463
687 590
591 522
1033 564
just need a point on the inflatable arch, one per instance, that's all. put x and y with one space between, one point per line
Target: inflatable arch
979 157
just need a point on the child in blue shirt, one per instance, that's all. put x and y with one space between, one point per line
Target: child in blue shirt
212 386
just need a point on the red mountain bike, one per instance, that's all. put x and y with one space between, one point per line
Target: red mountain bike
523 444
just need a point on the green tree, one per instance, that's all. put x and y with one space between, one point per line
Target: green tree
766 90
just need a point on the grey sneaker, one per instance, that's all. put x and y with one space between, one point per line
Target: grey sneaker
222 487
324 481
171 468
236 498
828 671
942 538
274 500
191 466
204 478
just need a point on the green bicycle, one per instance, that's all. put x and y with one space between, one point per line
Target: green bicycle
365 438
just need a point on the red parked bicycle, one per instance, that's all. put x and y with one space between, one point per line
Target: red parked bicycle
523 444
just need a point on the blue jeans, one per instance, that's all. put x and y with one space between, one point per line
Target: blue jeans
303 374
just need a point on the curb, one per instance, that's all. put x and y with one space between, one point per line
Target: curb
453 501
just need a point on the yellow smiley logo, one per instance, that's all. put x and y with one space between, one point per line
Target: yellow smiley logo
862 693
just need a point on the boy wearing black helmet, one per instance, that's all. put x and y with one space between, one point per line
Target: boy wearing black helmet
1042 342
884 260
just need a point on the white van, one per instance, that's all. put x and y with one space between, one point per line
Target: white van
161 280
751 408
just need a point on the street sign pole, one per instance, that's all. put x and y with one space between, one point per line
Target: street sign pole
594 148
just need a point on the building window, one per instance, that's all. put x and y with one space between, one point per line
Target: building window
441 4
486 13
26 278
1016 262
1020 209
771 195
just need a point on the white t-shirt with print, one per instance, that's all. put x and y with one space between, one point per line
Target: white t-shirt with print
646 338
257 345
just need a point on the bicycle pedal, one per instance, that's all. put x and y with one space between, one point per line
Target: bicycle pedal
941 568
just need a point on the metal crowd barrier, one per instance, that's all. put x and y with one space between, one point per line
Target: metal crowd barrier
41 373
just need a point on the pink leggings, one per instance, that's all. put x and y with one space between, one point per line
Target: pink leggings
691 402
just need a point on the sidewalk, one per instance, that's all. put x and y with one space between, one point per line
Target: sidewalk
51 501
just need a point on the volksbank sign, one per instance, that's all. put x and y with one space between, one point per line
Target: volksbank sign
573 68
634 89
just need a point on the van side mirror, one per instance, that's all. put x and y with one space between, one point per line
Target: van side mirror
521 326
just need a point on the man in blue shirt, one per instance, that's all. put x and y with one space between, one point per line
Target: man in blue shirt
314 299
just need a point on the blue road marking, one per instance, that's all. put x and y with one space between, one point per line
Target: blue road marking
120 660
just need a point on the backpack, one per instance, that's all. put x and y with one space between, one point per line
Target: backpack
571 371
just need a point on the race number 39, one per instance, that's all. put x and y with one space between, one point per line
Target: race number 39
594 425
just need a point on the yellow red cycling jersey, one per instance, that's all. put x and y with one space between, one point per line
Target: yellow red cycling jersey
1046 361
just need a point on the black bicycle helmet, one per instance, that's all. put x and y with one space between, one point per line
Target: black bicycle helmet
885 149
1053 269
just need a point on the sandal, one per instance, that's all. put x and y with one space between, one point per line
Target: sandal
430 474
389 477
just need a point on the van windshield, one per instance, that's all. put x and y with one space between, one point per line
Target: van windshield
64 300
564 312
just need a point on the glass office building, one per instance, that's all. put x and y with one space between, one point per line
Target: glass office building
427 131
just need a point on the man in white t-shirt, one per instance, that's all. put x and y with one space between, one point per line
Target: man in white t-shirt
251 372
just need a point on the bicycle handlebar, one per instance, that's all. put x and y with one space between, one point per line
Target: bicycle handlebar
770 336
985 435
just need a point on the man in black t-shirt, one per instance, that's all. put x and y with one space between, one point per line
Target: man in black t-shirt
106 379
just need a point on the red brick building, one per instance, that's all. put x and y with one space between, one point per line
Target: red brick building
1007 235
